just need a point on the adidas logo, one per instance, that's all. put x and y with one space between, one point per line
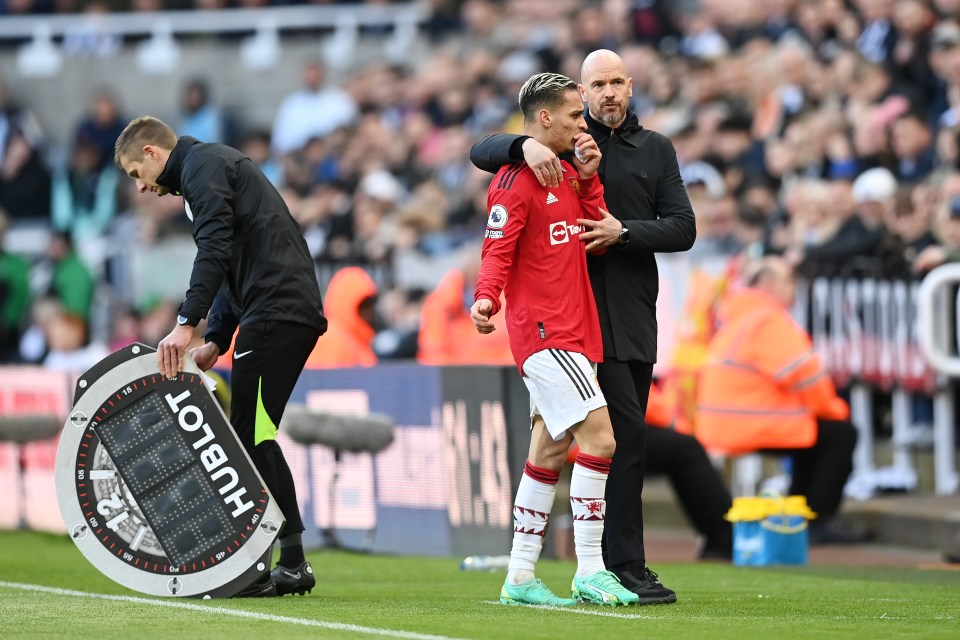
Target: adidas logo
551 198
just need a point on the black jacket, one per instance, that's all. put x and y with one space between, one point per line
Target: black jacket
252 262
856 251
643 189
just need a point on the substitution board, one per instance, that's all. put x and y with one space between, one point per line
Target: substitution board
154 486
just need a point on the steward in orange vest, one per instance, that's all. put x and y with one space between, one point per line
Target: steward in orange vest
762 385
763 388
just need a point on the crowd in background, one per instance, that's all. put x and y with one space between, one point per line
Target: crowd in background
822 130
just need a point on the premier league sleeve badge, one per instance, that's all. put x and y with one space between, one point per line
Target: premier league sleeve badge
154 486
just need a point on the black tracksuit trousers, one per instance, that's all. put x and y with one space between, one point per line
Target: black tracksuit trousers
820 472
267 360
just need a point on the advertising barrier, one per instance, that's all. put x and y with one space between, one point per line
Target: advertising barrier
445 485
27 470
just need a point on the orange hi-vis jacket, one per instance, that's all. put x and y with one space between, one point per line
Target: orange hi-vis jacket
695 327
762 386
447 334
348 338
662 411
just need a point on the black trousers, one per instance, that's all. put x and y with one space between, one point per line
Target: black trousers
821 471
696 482
267 360
626 387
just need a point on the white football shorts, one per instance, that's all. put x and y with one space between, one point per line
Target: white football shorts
563 388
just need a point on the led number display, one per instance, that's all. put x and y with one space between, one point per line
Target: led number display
154 487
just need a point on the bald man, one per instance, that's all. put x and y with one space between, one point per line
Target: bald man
649 213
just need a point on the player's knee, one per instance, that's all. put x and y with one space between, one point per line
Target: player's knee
607 446
551 457
601 445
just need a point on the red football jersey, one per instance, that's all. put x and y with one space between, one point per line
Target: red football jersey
532 252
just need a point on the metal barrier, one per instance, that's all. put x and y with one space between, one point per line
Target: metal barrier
46 38
938 334
186 22
869 339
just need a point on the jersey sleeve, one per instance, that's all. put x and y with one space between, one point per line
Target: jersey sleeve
508 217
591 197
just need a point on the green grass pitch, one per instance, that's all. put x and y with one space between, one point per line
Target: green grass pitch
48 590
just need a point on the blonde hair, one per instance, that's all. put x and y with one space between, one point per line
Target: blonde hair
140 132
544 90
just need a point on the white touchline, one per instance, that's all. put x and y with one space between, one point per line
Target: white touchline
238 613
578 611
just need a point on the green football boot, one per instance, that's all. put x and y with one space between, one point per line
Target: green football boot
532 592
602 588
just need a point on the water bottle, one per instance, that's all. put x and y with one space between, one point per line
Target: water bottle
485 563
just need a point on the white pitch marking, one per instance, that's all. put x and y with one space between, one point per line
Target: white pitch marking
577 610
238 613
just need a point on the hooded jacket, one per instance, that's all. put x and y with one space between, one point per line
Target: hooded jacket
348 339
447 334
762 386
252 262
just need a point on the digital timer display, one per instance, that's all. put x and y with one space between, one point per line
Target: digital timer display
163 487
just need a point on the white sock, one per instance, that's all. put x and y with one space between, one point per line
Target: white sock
531 510
589 507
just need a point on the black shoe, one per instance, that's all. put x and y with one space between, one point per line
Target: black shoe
263 587
644 582
298 580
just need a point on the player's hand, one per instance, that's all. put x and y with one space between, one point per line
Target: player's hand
586 155
600 234
205 356
545 163
170 351
480 313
